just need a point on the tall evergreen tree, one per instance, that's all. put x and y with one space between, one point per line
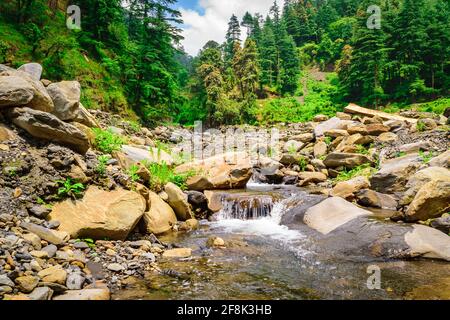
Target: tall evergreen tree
233 36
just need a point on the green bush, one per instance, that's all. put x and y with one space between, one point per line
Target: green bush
101 166
364 170
69 188
161 174
106 141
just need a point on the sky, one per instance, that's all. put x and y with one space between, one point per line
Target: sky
206 20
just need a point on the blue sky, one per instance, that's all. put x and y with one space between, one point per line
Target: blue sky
206 20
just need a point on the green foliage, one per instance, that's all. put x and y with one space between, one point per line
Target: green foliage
41 202
101 166
364 170
132 172
161 174
361 149
302 163
400 154
69 188
421 126
426 157
90 242
106 141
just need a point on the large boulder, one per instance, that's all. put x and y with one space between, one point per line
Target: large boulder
348 160
130 155
100 214
46 126
443 160
432 201
394 174
15 91
178 200
422 177
41 100
33 69
160 218
226 171
350 231
66 98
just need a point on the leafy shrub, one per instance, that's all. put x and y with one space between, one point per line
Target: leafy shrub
364 170
421 127
132 172
69 188
161 174
101 166
426 157
106 141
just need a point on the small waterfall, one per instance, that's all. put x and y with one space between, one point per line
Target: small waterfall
246 207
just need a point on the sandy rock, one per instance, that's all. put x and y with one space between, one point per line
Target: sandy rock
226 171
348 189
85 294
354 109
83 116
27 283
178 200
15 91
33 69
52 236
387 137
443 160
130 155
373 199
311 177
160 218
178 253
100 214
320 149
55 274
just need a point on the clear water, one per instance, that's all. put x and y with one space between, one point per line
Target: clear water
265 260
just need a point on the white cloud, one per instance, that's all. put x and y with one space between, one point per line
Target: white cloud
213 24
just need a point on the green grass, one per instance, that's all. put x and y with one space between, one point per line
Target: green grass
161 174
420 126
426 157
101 166
437 106
132 172
106 141
364 170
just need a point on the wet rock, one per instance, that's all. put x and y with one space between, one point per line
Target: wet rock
100 214
46 126
373 199
215 242
189 225
348 160
160 218
331 214
178 200
178 253
442 224
197 199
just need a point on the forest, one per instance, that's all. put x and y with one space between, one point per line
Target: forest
129 56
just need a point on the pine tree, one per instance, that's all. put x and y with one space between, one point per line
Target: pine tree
233 36
268 53
290 65
247 22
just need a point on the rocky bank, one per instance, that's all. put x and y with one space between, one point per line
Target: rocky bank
60 240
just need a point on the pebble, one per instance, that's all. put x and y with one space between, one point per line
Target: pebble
51 249
6 281
27 283
116 267
80 245
41 294
75 281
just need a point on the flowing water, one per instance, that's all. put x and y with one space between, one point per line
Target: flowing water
266 260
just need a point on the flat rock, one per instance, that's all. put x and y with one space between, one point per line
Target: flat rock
178 253
100 214
348 160
160 218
